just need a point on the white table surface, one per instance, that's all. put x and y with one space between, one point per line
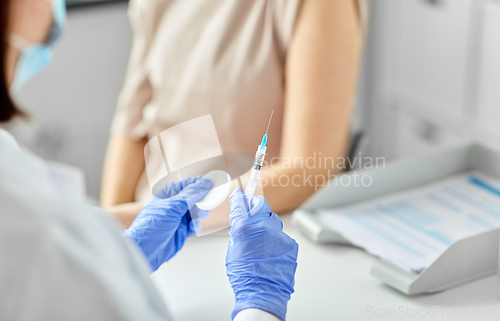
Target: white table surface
333 282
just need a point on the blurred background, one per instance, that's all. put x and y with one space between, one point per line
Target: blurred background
430 81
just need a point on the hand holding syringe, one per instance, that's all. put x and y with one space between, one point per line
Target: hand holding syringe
257 165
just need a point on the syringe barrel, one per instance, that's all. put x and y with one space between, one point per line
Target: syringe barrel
252 183
255 172
259 160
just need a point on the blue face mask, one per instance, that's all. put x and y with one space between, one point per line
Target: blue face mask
35 57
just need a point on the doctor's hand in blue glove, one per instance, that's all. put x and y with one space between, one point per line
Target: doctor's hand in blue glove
164 224
261 259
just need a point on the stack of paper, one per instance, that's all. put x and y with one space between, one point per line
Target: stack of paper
411 229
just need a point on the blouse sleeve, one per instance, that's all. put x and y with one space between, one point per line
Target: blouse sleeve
137 90
285 16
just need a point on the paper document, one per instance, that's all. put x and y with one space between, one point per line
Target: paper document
413 228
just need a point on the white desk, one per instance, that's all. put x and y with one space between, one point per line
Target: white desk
332 283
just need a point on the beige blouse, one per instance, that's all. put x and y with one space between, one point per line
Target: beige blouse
197 57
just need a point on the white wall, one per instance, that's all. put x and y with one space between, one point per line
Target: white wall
434 80
72 102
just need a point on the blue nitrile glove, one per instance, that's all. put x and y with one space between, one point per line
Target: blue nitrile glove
261 259
164 224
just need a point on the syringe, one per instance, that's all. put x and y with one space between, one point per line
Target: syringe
257 164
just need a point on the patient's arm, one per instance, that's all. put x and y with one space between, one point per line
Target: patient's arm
321 76
124 165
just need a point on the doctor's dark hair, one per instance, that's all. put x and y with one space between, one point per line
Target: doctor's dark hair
8 109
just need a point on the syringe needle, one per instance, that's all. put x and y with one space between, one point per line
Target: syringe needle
270 118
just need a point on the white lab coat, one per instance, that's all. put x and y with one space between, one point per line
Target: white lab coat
62 260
